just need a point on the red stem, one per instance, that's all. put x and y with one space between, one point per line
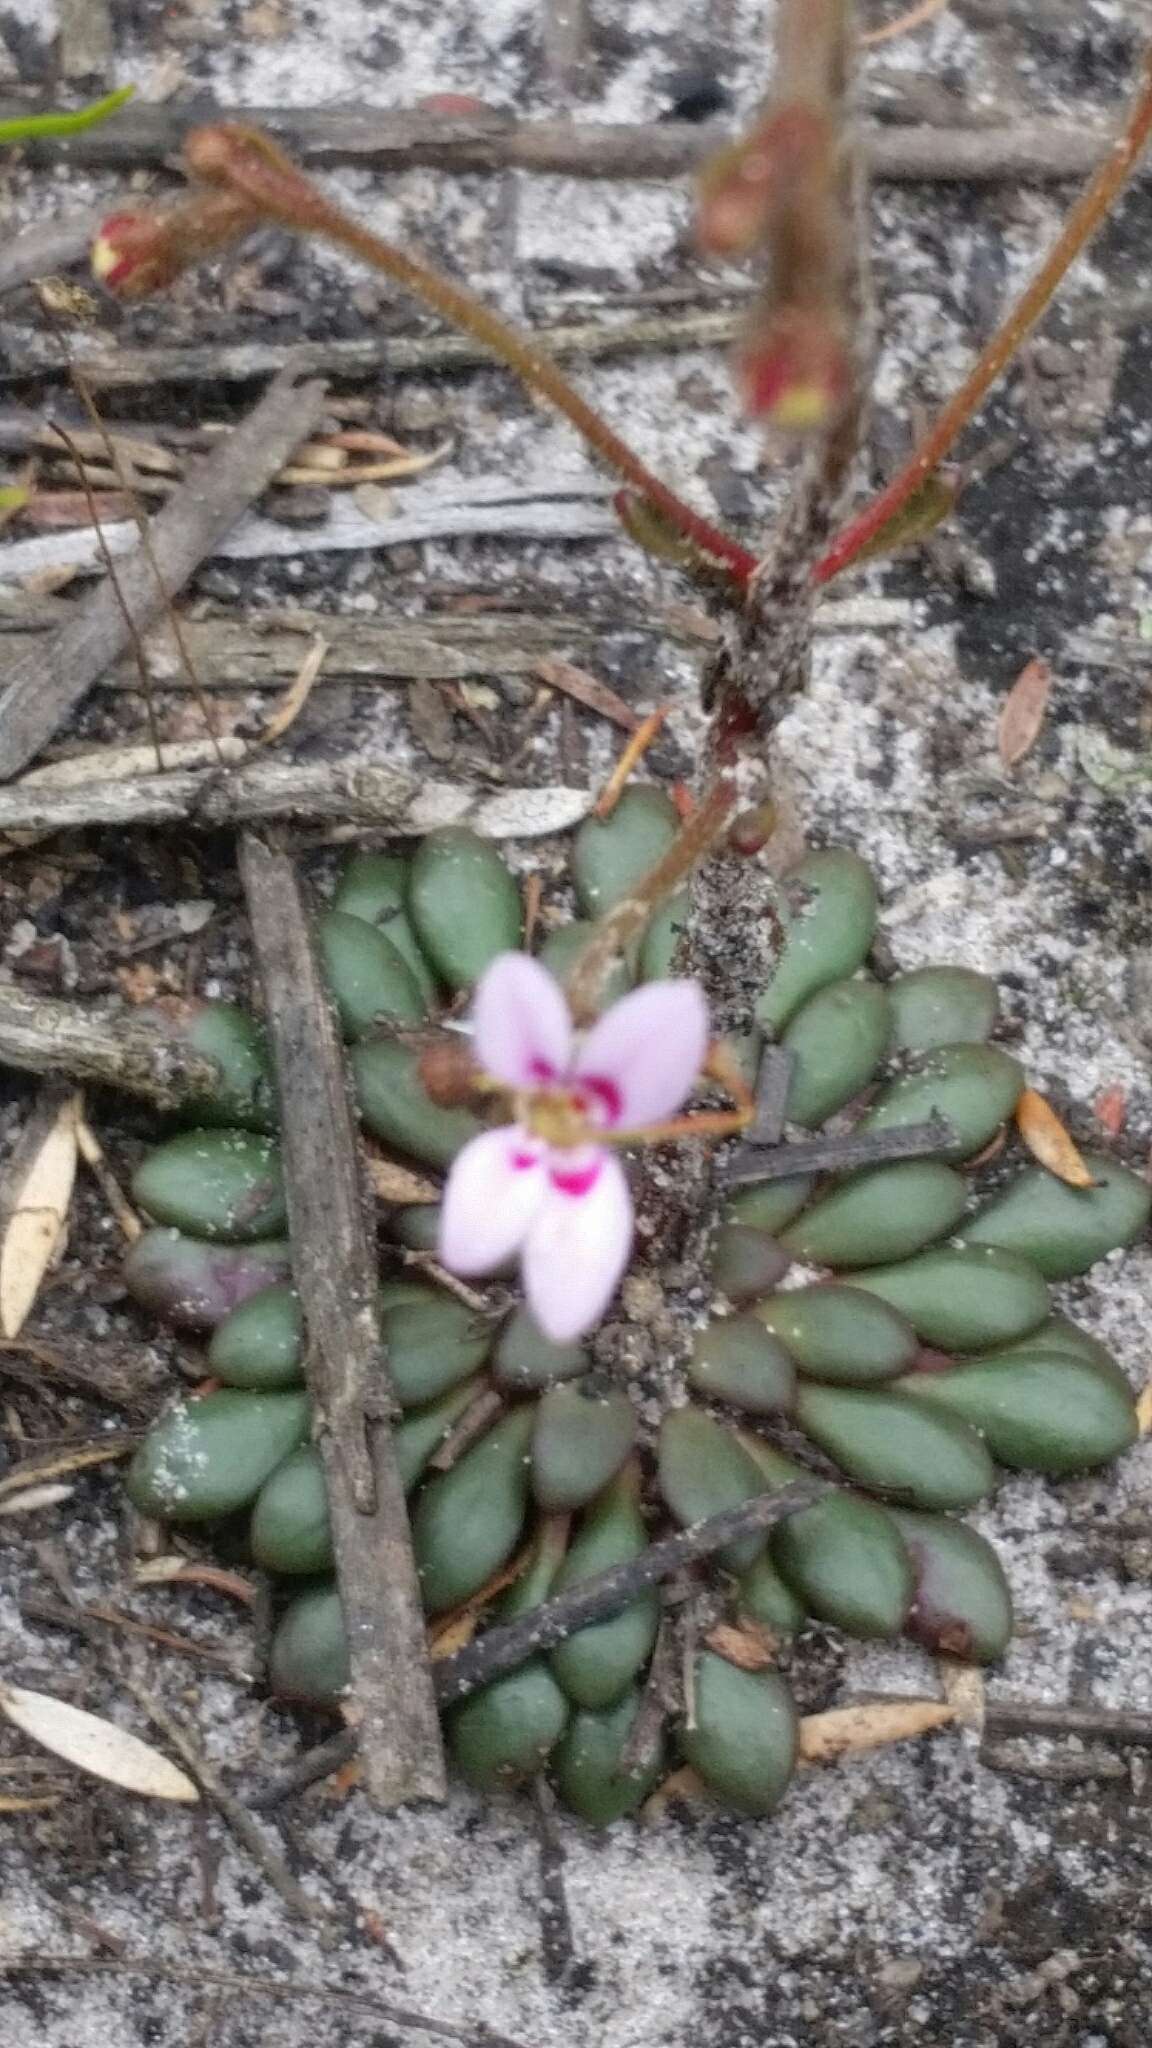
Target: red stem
1088 214
251 164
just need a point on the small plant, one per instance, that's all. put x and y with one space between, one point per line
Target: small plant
892 1326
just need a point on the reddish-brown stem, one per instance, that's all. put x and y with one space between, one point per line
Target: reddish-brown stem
1088 214
627 919
252 166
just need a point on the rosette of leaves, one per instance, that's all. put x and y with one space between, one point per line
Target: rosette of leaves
891 1327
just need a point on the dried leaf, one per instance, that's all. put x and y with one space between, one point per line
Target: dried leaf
35 1497
585 689
457 1629
824 1737
962 1684
394 1183
1144 1410
685 1784
1021 716
95 1745
76 1460
164 1571
324 470
123 764
903 24
10 1804
750 1647
291 704
1048 1141
92 1153
36 1200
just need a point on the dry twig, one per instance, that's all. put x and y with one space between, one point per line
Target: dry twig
590 1600
398 1734
354 790
490 141
44 686
243 1988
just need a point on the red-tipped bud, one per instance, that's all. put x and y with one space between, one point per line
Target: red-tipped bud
794 373
132 254
745 185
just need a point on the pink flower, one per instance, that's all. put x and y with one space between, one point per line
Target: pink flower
547 1186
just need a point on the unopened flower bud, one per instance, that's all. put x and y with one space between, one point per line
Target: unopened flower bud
448 1072
132 254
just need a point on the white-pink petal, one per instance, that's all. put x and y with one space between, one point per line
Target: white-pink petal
495 1187
644 1054
522 1032
576 1249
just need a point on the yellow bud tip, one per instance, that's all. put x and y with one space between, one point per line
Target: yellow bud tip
105 257
800 407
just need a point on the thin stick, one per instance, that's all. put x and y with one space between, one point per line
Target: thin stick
557 1943
239 1820
127 484
373 355
489 142
837 1155
594 1599
241 1987
61 1616
95 1159
356 789
131 627
123 1380
1094 1724
250 166
1087 216
45 685
114 1048
773 1080
334 1272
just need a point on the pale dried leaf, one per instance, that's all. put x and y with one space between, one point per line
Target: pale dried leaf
914 18
824 1737
95 1745
34 1470
1021 716
587 690
685 1784
750 1647
35 1497
1144 1410
962 1685
123 764
36 1210
291 704
394 1183
1048 1141
178 1571
9 1803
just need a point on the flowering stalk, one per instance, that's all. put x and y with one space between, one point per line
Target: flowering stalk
778 194
1088 214
257 179
628 918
